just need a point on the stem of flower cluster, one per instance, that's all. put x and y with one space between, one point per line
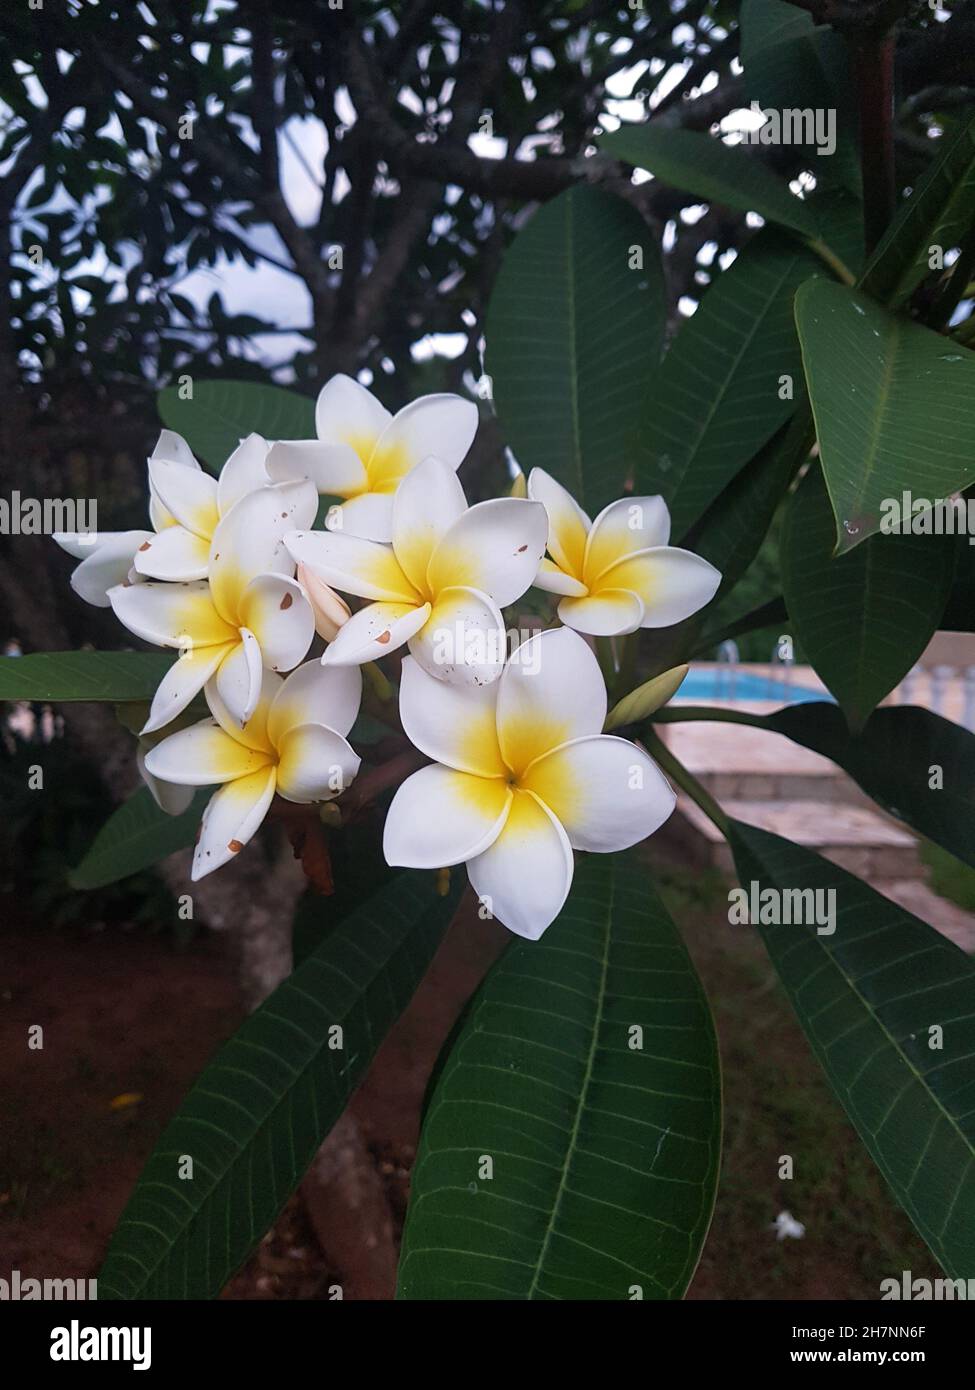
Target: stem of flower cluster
675 769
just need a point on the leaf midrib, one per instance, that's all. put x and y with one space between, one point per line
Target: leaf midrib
583 1089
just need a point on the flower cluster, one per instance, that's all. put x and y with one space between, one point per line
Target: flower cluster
236 577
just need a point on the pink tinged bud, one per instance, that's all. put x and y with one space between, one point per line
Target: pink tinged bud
330 610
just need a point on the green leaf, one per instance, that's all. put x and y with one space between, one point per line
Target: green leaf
892 760
732 530
64 676
136 836
867 997
716 398
605 1154
256 1117
863 618
894 405
711 170
221 413
573 335
939 213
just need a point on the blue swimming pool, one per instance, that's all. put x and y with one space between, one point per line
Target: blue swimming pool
719 683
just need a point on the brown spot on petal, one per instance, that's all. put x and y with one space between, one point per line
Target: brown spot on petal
286 602
384 637
235 846
521 550
145 545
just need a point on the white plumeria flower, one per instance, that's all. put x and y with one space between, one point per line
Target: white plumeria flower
184 506
522 777
617 573
294 744
251 613
363 453
443 583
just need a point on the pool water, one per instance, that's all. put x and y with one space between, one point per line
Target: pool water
725 684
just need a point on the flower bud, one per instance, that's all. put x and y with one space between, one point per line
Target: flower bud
330 610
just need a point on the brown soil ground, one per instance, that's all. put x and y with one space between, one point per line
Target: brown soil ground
128 1014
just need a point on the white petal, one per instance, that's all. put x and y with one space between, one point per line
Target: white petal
188 494
463 640
244 472
672 584
315 764
276 609
524 878
568 524
174 554
241 686
203 755
425 506
232 818
441 425
158 515
370 515
241 677
621 529
81 544
173 448
440 817
496 547
353 565
347 412
375 631
452 724
606 792
171 615
182 682
552 690
316 694
555 581
609 613
335 469
170 798
105 562
250 540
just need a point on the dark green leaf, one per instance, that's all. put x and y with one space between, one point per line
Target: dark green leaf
256 1117
711 170
63 676
728 382
136 836
868 997
605 1152
894 405
221 413
573 335
865 617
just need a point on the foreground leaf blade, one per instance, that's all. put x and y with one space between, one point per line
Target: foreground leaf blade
574 331
220 413
862 618
135 837
256 1117
605 1155
867 998
69 676
894 405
